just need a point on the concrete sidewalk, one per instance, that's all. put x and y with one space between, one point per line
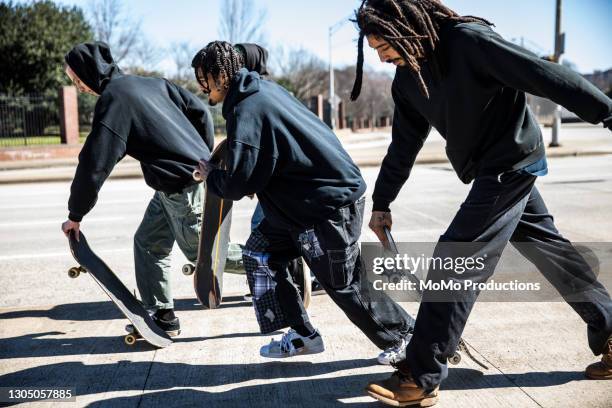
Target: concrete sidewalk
216 362
367 149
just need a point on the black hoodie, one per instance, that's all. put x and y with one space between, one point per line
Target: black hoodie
158 123
479 107
284 153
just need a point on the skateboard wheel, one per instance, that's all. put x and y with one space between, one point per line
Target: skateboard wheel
130 339
455 359
188 269
74 272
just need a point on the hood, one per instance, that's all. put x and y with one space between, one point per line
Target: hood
243 84
255 58
93 64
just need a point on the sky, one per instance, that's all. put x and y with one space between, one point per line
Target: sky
294 23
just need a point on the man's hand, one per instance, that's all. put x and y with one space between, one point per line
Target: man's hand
203 170
379 220
69 225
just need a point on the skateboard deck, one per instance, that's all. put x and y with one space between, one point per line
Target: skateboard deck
214 240
131 308
300 273
463 346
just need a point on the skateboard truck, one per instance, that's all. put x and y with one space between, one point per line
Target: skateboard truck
75 271
463 348
132 336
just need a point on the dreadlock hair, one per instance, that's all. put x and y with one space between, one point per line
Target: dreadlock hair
220 59
411 27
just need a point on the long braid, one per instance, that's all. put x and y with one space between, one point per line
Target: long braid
412 28
221 60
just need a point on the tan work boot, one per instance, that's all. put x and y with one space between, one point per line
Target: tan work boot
400 390
602 370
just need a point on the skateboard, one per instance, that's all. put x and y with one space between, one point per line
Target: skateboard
127 303
214 240
300 273
462 347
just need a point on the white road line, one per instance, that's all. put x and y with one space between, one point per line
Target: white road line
57 221
66 253
63 204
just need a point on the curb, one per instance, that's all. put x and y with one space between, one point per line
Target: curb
136 172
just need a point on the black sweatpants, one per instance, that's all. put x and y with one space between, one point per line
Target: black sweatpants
499 210
332 252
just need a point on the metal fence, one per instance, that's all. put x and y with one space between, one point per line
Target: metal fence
28 120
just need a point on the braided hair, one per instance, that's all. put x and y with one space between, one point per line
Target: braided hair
411 27
220 59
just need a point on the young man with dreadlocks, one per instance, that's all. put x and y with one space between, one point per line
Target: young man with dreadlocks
311 195
168 130
457 74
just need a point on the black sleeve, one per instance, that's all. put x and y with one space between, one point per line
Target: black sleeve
102 150
199 116
409 131
520 69
248 167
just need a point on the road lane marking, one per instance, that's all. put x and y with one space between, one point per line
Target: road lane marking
63 204
57 254
57 221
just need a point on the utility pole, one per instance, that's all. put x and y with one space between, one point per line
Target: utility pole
332 88
559 50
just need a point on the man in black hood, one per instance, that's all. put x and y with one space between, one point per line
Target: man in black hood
311 195
168 130
455 73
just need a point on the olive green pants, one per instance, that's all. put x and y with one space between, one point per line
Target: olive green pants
168 218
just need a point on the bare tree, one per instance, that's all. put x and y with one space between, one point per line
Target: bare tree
375 100
113 26
241 22
182 53
300 71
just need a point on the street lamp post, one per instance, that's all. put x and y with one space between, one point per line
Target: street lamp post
559 50
332 89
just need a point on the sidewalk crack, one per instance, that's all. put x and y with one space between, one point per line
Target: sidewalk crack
475 350
144 387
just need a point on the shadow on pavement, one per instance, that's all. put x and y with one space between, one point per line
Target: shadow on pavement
134 375
89 311
39 345
320 392
466 378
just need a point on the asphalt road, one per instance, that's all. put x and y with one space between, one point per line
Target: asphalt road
34 254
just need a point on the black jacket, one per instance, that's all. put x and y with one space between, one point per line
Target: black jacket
158 123
281 151
479 107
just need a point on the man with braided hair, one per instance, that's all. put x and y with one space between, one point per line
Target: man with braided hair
311 195
457 74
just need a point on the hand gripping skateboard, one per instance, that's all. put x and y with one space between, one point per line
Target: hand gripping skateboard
214 240
131 308
463 346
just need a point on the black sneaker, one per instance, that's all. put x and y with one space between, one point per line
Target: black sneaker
165 320
171 325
